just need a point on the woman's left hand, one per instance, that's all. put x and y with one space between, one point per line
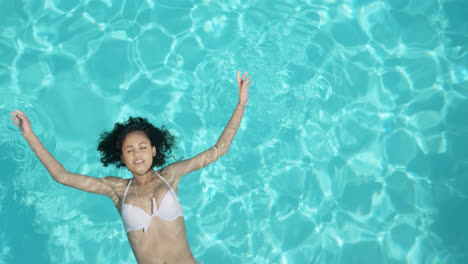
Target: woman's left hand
243 88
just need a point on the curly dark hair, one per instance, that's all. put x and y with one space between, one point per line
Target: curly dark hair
110 143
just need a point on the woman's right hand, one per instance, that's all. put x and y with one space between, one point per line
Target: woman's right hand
106 186
22 121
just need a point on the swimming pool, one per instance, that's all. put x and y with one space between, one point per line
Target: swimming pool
353 148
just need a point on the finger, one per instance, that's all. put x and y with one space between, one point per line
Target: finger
244 82
238 76
22 115
15 116
247 85
15 121
243 76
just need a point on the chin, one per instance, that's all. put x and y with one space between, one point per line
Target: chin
143 171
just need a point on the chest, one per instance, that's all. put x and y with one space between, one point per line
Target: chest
138 214
143 197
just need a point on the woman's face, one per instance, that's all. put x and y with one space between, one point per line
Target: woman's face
137 152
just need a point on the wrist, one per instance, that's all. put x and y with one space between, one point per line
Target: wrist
29 136
242 104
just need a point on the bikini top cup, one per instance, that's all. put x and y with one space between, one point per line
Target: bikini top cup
135 218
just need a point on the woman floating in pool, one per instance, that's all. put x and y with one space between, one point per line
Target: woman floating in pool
151 212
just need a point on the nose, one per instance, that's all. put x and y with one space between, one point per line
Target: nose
136 152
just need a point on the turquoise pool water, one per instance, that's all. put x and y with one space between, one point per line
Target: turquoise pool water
354 147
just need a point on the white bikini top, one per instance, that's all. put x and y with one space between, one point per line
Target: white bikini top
135 218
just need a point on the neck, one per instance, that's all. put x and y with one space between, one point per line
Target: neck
144 179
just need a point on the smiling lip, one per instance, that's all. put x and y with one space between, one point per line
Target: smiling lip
137 162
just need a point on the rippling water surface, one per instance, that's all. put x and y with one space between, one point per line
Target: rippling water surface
353 149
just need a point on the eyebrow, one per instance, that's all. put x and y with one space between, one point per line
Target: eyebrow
141 143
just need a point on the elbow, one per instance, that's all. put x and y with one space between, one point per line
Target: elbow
61 178
221 150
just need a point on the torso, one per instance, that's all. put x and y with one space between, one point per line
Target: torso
164 241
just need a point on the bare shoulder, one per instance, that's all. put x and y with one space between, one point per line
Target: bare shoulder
117 185
168 173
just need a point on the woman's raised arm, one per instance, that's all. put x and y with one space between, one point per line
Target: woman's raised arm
179 169
105 186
